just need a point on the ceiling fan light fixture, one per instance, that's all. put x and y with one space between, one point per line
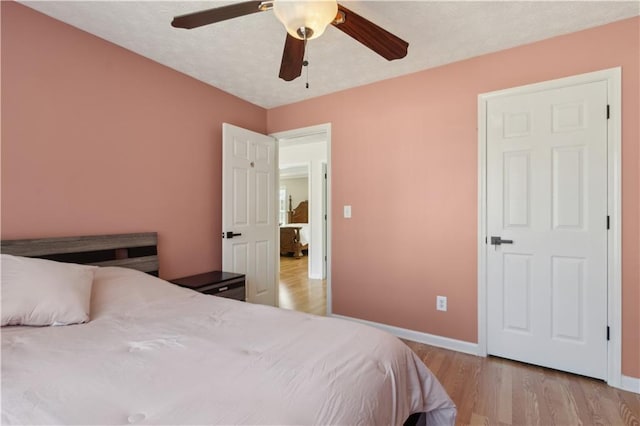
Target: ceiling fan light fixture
305 19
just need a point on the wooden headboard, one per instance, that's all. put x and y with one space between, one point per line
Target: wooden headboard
135 251
300 214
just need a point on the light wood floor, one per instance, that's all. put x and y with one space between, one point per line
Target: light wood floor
490 391
298 291
495 391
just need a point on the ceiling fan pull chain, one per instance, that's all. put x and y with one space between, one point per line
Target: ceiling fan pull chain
305 62
307 76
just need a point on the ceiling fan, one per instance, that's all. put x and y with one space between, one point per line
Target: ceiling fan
304 20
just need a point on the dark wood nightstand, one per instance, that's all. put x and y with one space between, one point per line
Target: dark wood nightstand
217 283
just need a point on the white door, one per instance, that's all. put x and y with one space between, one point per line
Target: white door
547 193
249 211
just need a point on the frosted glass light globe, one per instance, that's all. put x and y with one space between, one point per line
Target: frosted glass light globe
299 16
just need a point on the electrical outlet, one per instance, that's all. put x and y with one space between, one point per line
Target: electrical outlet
441 303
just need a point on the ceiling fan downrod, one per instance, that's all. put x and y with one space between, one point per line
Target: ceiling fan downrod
305 33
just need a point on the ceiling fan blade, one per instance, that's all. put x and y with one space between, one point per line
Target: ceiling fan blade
366 32
292 58
210 16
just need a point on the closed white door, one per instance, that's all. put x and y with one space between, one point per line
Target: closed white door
547 197
249 211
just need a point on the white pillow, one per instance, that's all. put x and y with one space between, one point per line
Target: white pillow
44 292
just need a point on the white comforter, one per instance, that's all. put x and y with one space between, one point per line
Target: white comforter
154 353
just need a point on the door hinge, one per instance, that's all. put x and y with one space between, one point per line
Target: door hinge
325 175
608 112
608 222
608 333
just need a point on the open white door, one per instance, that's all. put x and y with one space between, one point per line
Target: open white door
249 213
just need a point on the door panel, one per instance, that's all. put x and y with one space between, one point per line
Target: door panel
264 260
516 189
547 192
567 297
568 188
239 257
516 284
240 203
264 208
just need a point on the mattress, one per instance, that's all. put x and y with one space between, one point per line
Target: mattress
155 353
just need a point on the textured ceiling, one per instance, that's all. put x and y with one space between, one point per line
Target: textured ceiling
242 56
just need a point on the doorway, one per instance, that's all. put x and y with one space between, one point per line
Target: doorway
304 200
298 289
549 224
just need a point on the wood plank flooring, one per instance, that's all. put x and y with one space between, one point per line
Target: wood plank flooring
496 391
490 391
298 291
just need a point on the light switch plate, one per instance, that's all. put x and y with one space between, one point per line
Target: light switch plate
347 212
441 303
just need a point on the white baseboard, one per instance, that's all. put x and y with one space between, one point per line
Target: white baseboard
631 384
627 383
417 336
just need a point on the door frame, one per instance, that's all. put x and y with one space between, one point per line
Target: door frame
320 129
613 77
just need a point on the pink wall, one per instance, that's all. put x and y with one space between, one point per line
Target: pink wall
97 139
404 155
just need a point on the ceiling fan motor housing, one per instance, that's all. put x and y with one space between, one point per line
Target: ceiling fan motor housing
305 19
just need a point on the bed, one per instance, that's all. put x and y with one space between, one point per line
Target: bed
155 353
294 235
